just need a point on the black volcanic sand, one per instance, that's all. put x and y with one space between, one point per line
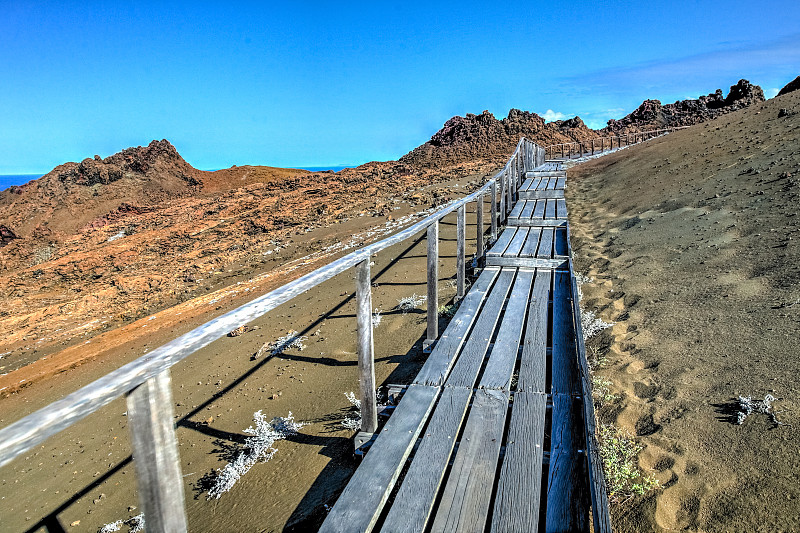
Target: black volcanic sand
693 242
84 475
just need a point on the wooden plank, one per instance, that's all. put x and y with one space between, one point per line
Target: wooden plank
601 515
538 209
465 502
518 500
528 195
433 282
546 243
503 358
552 184
527 262
414 501
155 454
503 242
517 210
461 236
540 223
516 243
528 210
535 183
543 184
362 500
533 364
561 183
567 487
550 210
440 360
465 370
551 172
561 247
366 348
561 209
565 375
526 184
532 243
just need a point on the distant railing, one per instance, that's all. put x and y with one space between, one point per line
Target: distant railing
603 144
146 382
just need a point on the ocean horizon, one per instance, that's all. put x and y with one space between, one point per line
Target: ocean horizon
7 180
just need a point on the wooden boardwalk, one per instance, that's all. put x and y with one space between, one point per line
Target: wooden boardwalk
492 434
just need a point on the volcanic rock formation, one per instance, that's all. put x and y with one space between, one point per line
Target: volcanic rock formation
791 86
653 115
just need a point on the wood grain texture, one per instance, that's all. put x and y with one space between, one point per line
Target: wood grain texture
533 364
550 209
155 455
532 195
465 502
561 246
433 282
532 243
479 237
516 243
366 348
493 208
561 209
518 501
527 212
461 237
414 501
503 241
567 485
503 358
546 243
440 360
361 502
564 371
515 213
538 209
465 370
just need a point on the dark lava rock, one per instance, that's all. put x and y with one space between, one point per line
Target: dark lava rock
6 235
653 115
791 86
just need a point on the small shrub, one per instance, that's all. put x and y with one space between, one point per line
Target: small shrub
624 478
601 390
135 525
353 421
748 406
291 340
591 324
377 318
409 303
448 311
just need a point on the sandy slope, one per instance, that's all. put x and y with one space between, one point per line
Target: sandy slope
693 241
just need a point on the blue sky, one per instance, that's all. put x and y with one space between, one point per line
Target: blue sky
314 84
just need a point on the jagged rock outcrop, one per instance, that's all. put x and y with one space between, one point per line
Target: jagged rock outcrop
791 86
6 235
653 115
485 138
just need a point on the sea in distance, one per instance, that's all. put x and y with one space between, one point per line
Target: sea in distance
7 180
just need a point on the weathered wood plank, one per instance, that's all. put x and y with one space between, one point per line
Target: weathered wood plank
503 241
528 195
562 208
533 364
561 183
538 209
597 484
567 487
551 172
542 185
493 210
546 243
527 262
516 243
561 246
550 210
552 184
565 375
155 454
503 358
479 237
532 243
440 360
527 212
517 210
433 282
366 348
414 501
361 502
526 184
465 370
461 236
535 183
518 501
465 502
538 222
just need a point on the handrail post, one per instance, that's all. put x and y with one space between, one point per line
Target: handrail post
479 224
493 211
366 347
460 251
433 285
509 192
502 197
155 454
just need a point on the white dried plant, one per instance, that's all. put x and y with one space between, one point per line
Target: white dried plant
135 525
748 406
291 340
409 303
591 324
353 421
377 318
258 447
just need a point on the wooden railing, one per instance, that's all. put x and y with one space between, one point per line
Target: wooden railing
146 382
603 144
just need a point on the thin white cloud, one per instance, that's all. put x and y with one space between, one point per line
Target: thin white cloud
550 116
772 93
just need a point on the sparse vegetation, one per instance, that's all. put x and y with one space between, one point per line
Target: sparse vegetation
624 478
135 525
591 324
409 303
353 421
601 390
448 311
42 254
748 406
377 318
